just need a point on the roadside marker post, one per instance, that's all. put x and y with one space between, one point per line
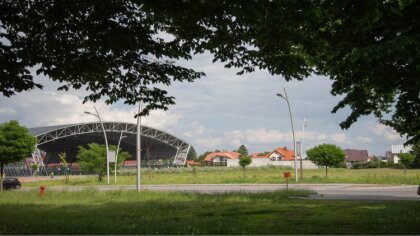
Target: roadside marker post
287 175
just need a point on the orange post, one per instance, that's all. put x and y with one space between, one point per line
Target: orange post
41 190
287 176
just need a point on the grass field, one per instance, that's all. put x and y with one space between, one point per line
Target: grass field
130 212
272 175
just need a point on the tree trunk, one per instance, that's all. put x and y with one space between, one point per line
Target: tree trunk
100 177
244 171
1 177
405 170
326 172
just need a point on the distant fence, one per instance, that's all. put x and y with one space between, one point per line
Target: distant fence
257 162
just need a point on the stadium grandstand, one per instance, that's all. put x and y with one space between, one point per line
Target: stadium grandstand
159 148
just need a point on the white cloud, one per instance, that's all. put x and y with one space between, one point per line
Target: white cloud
362 139
386 132
339 138
51 108
209 143
7 111
196 129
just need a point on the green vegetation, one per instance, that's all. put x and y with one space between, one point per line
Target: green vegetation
244 158
406 159
93 158
244 161
15 144
130 212
368 49
326 155
261 175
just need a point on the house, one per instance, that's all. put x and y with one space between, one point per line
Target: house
259 155
392 156
355 156
220 158
192 163
282 154
129 163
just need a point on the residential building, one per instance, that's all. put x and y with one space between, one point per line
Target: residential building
220 158
260 155
355 156
192 163
392 155
281 154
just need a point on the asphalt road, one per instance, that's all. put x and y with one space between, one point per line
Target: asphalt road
325 191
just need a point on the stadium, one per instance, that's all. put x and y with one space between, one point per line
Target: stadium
157 147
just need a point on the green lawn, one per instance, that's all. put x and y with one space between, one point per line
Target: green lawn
223 175
130 212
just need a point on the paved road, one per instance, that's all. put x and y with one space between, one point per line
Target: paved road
325 191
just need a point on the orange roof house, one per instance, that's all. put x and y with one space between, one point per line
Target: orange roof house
192 163
220 158
282 154
259 155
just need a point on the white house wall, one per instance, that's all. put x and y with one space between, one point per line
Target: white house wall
258 162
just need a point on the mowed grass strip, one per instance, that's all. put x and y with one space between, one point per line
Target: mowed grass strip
147 212
262 175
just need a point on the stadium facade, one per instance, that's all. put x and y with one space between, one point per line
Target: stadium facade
156 145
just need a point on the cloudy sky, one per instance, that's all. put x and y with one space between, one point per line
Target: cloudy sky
220 111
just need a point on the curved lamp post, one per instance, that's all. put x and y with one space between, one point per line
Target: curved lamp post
106 141
138 145
293 129
301 148
138 136
116 156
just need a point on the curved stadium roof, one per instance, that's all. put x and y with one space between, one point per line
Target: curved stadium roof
155 144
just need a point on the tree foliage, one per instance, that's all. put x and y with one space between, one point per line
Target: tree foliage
192 154
243 151
15 144
202 156
93 158
64 164
244 161
326 155
406 159
244 158
369 49
416 153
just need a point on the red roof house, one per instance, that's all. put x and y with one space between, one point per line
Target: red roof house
259 155
353 156
282 154
220 158
192 163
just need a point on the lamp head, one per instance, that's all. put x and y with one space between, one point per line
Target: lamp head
281 95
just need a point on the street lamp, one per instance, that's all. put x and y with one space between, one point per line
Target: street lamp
293 130
301 148
116 157
106 140
138 136
138 145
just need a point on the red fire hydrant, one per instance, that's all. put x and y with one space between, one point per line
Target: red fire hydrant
41 190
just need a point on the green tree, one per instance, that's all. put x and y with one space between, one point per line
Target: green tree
202 156
406 159
416 152
15 144
367 48
93 158
35 167
326 155
65 165
244 161
192 154
243 151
